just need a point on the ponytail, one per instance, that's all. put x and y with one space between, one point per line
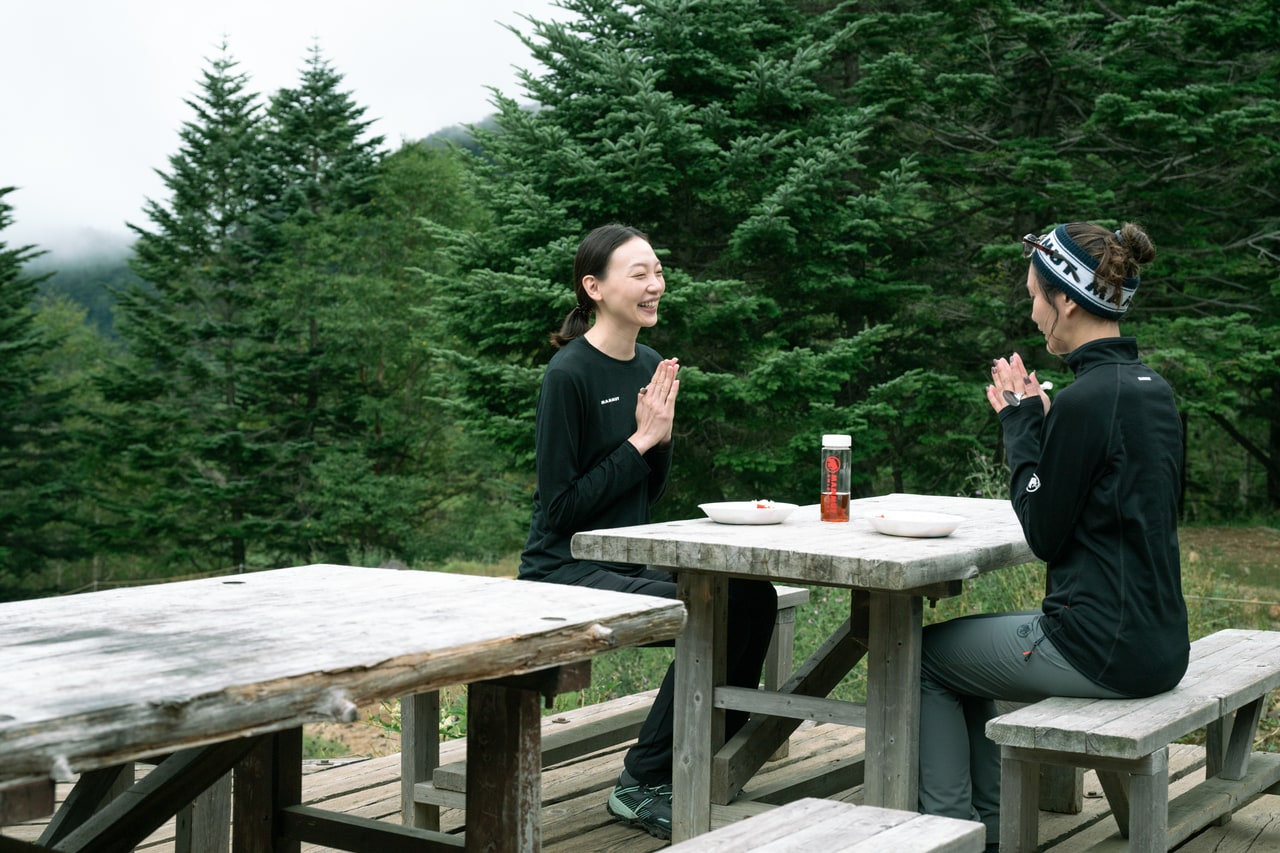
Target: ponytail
575 325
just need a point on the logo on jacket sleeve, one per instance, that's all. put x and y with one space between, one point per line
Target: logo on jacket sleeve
1033 485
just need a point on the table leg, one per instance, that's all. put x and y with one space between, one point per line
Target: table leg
419 756
1019 798
266 781
204 825
1149 804
694 688
893 701
504 769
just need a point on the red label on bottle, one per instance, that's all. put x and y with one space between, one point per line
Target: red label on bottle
832 468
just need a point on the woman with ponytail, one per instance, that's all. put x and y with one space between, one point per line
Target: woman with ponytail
603 449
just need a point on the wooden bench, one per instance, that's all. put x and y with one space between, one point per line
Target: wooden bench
830 826
1126 741
427 785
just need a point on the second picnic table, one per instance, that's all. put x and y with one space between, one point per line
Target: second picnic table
890 577
220 673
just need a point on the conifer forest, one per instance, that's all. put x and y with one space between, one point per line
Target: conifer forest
326 349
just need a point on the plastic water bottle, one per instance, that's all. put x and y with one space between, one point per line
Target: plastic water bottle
833 501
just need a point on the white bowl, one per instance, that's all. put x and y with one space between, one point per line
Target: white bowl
922 525
748 512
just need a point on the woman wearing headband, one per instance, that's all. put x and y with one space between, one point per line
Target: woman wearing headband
1095 482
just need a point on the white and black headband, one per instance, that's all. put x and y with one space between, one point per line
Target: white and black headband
1071 269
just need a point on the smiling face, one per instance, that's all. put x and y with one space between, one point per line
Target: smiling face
628 294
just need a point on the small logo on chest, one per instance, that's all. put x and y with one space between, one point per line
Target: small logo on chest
610 400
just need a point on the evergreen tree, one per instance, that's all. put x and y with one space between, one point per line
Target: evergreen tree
1165 113
323 160
782 224
73 367
325 171
411 483
276 396
192 440
37 486
839 188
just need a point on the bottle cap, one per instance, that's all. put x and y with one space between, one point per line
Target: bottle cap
837 441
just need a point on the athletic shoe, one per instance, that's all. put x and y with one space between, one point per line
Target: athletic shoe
648 806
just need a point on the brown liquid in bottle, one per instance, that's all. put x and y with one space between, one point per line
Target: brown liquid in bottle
834 506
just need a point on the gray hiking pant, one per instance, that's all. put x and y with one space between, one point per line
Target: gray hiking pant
966 664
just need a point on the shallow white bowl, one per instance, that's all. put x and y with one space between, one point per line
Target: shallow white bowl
922 525
748 512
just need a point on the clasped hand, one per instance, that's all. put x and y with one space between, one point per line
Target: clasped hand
1012 385
656 407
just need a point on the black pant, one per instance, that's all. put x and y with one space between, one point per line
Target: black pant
753 607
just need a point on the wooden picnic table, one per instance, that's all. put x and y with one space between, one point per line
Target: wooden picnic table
221 674
889 578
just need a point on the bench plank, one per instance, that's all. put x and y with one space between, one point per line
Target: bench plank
821 774
1201 805
809 825
1214 688
1126 740
1225 674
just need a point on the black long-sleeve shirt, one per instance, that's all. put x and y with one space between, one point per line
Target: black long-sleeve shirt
589 475
1095 485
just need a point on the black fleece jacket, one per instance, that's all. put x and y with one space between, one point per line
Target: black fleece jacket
1095 485
589 476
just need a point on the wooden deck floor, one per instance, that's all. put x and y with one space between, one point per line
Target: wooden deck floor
824 761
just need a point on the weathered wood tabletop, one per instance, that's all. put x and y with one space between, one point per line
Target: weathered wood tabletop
890 577
804 549
91 681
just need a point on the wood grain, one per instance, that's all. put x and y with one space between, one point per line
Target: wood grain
98 679
805 550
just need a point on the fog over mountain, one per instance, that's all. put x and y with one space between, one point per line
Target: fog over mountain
95 103
69 243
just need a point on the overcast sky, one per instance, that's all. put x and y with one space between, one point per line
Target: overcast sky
92 91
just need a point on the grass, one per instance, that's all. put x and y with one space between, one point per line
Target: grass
321 747
1220 590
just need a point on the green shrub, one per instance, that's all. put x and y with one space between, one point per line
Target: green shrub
314 746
